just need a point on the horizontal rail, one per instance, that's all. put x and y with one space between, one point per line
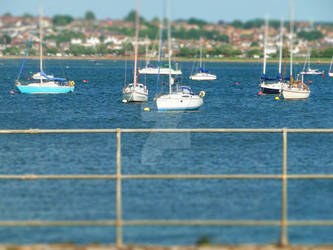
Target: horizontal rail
38 223
163 130
218 176
55 131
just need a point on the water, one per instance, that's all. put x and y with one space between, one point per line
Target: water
228 104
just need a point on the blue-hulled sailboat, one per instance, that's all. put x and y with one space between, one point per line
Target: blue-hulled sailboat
42 83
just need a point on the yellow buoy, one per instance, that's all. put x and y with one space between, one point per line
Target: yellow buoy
146 109
277 98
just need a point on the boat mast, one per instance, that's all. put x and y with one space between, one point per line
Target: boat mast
309 57
169 45
200 53
40 44
147 60
265 45
281 46
291 38
137 25
331 65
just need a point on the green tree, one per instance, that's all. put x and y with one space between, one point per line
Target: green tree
52 51
62 20
89 15
131 16
255 23
186 52
254 52
12 51
310 35
254 44
237 24
102 49
223 38
327 52
197 21
128 46
5 39
78 50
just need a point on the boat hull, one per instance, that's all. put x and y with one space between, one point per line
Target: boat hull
312 73
294 94
134 96
203 77
330 74
178 102
33 89
161 71
271 88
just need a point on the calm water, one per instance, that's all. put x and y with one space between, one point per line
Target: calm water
97 104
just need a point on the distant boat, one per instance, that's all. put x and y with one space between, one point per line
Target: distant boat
135 92
179 98
150 69
330 73
47 84
203 74
269 85
295 89
307 70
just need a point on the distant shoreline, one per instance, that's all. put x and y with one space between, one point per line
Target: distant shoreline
179 59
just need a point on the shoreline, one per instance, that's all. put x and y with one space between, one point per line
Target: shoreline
179 59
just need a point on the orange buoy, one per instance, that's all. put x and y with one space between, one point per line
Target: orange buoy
309 81
12 92
85 81
237 82
259 93
323 75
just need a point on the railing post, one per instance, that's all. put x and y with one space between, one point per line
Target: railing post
284 222
119 233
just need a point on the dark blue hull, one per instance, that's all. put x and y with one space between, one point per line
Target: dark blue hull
270 91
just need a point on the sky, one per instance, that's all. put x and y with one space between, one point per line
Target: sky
209 10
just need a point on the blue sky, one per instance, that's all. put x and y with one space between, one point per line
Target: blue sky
210 10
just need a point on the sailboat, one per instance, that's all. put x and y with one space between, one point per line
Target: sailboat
149 69
47 84
330 73
268 85
307 70
296 89
135 92
179 98
202 75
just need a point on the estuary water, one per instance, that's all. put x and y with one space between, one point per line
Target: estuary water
230 102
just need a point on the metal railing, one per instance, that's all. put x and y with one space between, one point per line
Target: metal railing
119 223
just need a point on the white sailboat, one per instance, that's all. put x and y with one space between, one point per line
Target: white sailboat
295 89
307 70
47 84
135 92
202 75
272 87
330 73
149 69
179 98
